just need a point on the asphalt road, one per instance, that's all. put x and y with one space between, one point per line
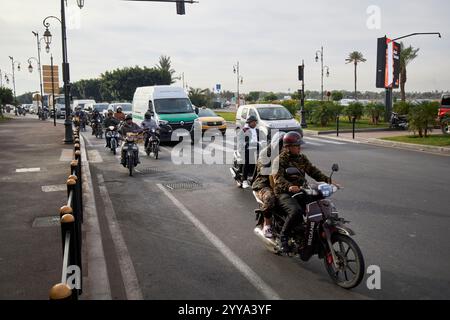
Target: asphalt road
397 202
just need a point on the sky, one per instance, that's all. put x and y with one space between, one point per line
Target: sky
268 38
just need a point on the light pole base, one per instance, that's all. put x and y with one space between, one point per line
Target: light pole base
68 139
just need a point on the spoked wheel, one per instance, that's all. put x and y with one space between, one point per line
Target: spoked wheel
350 263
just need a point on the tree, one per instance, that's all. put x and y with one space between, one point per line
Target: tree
355 57
165 67
252 96
374 110
271 97
354 110
406 56
6 97
421 117
198 97
337 96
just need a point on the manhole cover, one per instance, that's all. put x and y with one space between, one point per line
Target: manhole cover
184 185
43 222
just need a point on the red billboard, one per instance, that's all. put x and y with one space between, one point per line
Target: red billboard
388 64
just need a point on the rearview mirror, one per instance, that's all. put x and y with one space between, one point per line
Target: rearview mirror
335 167
292 171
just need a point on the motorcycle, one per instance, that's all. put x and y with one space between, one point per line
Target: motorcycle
153 142
44 115
322 232
238 166
114 136
398 121
131 150
97 128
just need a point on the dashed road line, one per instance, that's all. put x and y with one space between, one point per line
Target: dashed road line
22 170
54 188
66 155
324 141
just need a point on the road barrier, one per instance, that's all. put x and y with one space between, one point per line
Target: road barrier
71 218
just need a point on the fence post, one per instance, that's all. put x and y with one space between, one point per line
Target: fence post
68 224
60 291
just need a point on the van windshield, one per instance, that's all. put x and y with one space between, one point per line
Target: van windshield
274 113
168 106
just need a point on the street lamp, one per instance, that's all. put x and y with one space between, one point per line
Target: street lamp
322 67
65 65
240 80
38 42
13 63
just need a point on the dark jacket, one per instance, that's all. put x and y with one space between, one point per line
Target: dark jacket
286 160
110 122
129 128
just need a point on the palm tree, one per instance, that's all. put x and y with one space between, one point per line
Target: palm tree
198 97
355 57
406 56
165 66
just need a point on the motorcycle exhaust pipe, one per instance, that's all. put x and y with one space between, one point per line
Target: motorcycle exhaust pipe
270 244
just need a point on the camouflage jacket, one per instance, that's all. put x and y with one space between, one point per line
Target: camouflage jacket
262 181
301 162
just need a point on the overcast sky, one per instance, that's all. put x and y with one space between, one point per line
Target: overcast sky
269 38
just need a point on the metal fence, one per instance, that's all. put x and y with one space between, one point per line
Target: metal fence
71 218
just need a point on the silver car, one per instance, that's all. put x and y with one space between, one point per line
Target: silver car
270 116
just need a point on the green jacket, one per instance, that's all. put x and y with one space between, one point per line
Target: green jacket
286 160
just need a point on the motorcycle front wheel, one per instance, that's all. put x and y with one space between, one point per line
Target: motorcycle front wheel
130 165
350 269
113 146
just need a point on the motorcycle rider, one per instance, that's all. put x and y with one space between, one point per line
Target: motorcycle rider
81 116
261 185
149 123
109 121
250 137
285 186
119 115
95 117
128 126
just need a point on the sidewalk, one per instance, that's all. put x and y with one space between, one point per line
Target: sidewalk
374 137
34 166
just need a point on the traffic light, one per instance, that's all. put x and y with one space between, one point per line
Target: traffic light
301 73
180 8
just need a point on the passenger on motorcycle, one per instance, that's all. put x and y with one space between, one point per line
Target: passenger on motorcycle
261 185
250 139
109 121
149 123
119 115
128 126
286 186
81 116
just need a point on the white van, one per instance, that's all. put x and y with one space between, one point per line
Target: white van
82 103
170 105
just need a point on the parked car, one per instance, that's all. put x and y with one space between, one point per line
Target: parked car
270 116
210 120
444 113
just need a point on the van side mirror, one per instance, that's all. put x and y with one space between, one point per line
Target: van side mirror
335 167
150 105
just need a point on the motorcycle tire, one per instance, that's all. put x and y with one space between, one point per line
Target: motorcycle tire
345 245
155 151
130 165
113 146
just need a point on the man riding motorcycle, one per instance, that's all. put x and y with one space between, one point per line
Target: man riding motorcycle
109 121
261 184
128 126
286 186
95 117
148 123
119 115
251 146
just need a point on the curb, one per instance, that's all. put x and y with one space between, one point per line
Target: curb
97 282
346 131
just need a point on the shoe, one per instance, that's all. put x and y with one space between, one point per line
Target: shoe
245 184
284 244
267 230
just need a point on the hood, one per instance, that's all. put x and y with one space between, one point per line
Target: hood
279 124
211 119
177 117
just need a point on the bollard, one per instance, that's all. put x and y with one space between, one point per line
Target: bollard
80 183
60 291
65 210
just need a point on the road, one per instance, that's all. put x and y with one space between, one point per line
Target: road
186 231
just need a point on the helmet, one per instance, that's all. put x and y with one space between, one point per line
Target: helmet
251 119
129 117
292 138
119 109
110 112
95 111
148 115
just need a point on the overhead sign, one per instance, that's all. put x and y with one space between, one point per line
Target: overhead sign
47 76
218 87
388 63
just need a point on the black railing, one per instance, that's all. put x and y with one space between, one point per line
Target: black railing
70 287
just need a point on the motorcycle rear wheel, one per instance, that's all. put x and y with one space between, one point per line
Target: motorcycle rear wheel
130 165
351 262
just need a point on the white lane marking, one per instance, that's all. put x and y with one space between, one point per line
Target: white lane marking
313 143
28 170
240 265
130 280
66 155
94 156
166 149
54 188
323 140
98 281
